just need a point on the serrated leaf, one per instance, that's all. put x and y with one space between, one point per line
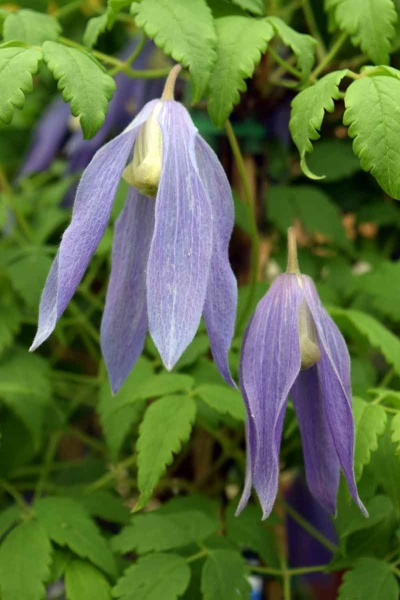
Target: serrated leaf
8 518
82 82
334 158
25 558
68 524
386 466
166 426
31 27
350 519
369 22
184 31
395 428
369 423
84 582
105 505
223 399
17 65
257 7
303 45
372 113
153 577
382 285
158 531
249 532
241 41
310 205
224 576
308 109
119 413
376 333
94 28
370 578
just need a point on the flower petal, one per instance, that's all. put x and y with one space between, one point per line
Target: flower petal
270 363
334 377
90 215
180 253
221 298
321 462
124 323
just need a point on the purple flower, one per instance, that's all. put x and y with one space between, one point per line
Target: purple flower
292 346
170 256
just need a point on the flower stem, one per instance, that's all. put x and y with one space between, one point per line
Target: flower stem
197 556
281 61
325 62
47 464
249 200
131 59
169 87
309 528
14 493
292 261
313 28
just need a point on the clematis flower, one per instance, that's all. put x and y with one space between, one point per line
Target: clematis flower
170 256
292 346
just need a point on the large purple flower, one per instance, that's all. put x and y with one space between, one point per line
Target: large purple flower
292 346
170 257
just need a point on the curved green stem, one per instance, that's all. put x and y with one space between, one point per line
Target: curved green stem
313 28
325 62
309 528
281 61
131 59
255 242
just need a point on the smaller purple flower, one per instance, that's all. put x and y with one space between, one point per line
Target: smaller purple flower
170 260
292 346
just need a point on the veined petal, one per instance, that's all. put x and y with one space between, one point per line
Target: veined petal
180 253
90 215
221 298
321 461
334 377
270 363
124 323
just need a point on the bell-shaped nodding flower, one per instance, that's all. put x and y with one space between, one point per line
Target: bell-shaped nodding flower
292 347
170 257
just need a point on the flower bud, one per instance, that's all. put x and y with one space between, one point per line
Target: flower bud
309 351
144 171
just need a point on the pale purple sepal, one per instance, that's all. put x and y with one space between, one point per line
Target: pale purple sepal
180 253
221 299
270 363
124 323
91 212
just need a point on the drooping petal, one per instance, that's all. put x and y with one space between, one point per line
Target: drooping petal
334 378
90 215
321 461
124 323
221 298
270 363
181 249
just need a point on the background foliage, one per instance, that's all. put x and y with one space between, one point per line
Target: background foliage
74 461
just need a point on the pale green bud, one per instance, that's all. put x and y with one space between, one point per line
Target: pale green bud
144 171
309 351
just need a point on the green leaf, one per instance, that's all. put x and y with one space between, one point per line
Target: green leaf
83 82
8 518
17 65
84 582
28 276
369 423
184 31
25 558
241 41
335 158
164 384
372 113
249 532
223 399
224 576
370 578
94 28
68 524
10 324
382 285
153 577
31 27
350 519
310 205
160 530
303 45
378 335
370 23
395 428
119 413
254 6
308 109
166 426
386 466
198 347
105 505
